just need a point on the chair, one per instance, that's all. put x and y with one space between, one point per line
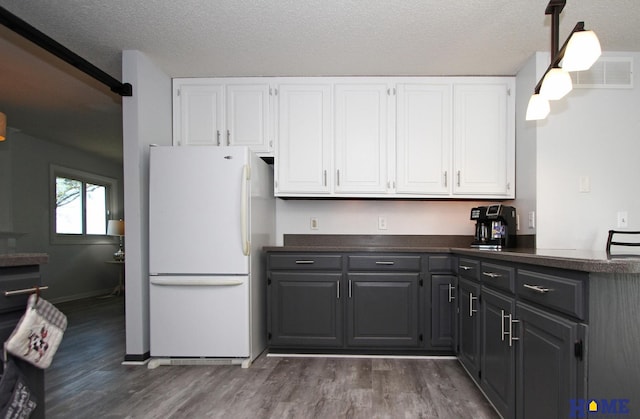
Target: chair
611 242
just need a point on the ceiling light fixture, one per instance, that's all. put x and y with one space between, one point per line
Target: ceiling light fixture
3 126
578 53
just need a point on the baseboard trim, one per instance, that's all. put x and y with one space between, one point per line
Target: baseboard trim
136 359
282 355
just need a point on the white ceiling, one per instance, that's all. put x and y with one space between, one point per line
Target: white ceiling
48 99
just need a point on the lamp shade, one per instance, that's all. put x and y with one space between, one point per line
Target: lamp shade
115 228
556 84
538 108
583 49
3 126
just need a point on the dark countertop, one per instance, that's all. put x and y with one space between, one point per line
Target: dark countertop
23 259
579 260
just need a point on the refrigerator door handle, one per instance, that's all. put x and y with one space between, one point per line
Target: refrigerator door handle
246 175
204 282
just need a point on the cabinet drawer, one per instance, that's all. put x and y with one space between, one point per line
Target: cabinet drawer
384 263
498 276
442 264
469 268
562 294
14 279
302 261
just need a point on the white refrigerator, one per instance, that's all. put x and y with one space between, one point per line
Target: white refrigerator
211 210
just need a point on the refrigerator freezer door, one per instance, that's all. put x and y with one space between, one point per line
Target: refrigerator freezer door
204 316
195 211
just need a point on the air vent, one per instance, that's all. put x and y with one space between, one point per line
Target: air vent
608 73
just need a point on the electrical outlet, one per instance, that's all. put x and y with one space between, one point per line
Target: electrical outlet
623 219
532 219
585 184
382 223
314 223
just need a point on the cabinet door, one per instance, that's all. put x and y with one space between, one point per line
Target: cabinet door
248 117
305 309
443 310
423 139
484 139
361 138
303 151
382 310
469 326
198 111
547 365
498 352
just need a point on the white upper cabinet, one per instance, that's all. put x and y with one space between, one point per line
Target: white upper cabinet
222 112
423 139
484 138
303 151
198 112
361 138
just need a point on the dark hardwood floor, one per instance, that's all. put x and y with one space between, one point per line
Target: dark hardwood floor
87 380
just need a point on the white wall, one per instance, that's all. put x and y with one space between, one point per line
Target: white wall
593 133
361 217
74 270
146 120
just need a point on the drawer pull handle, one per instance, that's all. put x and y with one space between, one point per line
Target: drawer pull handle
25 291
537 288
305 262
509 332
384 263
451 296
465 268
491 274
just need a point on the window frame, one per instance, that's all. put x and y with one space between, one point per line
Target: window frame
111 186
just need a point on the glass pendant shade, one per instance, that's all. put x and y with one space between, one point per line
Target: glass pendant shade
583 49
556 84
538 108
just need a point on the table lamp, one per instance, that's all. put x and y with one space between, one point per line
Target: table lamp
116 228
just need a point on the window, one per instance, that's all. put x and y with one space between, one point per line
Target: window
82 204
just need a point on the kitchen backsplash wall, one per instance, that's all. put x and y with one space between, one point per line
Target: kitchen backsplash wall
363 217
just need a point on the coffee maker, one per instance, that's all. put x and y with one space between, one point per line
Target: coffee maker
495 227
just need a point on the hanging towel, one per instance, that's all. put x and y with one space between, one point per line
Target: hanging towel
38 334
16 400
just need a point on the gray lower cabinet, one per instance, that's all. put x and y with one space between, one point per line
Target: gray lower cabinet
443 310
497 365
382 310
469 326
306 309
547 364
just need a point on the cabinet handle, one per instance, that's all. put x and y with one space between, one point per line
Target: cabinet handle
228 138
338 290
502 331
465 268
338 177
25 291
324 180
218 137
451 296
458 177
537 288
511 337
349 288
491 274
305 262
445 178
384 262
471 310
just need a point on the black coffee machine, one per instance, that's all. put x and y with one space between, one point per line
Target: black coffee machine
495 227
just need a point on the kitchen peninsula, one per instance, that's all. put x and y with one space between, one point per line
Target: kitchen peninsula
539 331
21 272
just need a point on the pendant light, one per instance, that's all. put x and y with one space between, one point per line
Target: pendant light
578 53
3 126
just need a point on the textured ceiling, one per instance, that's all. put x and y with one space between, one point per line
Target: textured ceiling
270 38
